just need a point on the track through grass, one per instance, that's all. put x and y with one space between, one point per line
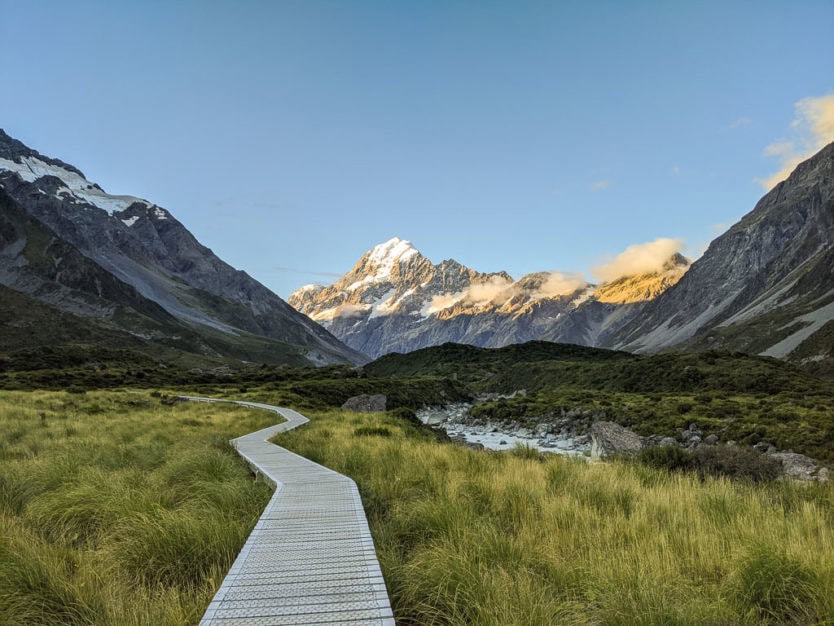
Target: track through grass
467 536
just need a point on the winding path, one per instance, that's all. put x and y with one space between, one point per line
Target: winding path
310 558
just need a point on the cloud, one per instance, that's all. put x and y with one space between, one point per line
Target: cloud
813 128
741 121
641 258
559 284
676 170
495 289
601 184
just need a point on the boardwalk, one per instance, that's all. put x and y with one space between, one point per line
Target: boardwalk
310 558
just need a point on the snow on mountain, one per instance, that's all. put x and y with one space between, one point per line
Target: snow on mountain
145 247
395 299
76 188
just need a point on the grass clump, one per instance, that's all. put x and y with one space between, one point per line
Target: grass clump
777 589
115 510
486 538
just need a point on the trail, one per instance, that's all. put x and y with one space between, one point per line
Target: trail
310 558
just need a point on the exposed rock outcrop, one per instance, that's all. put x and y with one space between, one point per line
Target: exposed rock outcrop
366 403
609 439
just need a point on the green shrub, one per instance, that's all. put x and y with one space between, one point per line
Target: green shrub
736 462
666 457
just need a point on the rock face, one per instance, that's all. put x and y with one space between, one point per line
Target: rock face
138 244
395 300
609 439
366 403
765 286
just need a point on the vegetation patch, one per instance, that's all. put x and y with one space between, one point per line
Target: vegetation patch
468 536
116 509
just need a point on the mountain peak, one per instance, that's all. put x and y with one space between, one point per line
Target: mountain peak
395 249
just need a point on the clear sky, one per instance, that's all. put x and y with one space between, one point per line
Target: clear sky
291 136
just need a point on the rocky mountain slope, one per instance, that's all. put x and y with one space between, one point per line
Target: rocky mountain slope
69 244
766 286
395 300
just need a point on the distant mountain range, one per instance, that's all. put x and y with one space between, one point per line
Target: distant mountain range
132 271
80 265
766 286
395 300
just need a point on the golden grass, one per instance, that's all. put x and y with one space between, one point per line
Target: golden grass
471 537
116 509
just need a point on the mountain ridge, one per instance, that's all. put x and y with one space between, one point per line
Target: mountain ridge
144 246
395 299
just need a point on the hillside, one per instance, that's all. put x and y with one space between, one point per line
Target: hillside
765 286
129 256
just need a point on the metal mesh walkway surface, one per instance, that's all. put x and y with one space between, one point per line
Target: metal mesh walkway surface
310 558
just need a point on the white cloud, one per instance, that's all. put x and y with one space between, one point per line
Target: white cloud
558 284
642 258
601 184
494 288
813 128
497 290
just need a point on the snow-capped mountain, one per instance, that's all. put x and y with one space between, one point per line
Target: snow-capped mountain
395 300
141 246
765 286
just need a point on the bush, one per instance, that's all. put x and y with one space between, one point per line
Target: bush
666 457
372 431
526 451
778 589
736 462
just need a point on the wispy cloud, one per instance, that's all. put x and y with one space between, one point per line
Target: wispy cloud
676 170
641 258
497 290
559 284
601 184
812 128
739 122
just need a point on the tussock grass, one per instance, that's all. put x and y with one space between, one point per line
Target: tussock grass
467 536
116 509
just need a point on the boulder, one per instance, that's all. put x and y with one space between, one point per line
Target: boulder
366 403
799 466
609 439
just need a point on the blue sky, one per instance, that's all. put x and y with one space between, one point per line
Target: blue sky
290 137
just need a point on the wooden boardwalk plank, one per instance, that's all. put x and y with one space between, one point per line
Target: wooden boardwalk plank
310 558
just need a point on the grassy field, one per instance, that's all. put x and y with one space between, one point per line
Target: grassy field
516 538
118 509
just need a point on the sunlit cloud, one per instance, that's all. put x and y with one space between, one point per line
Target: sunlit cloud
497 290
642 258
812 127
559 284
